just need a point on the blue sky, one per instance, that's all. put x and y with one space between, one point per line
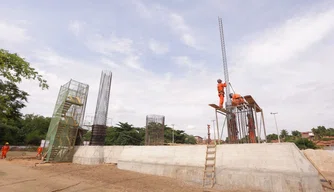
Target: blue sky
165 56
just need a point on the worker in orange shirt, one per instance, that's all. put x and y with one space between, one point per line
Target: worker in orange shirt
221 93
237 99
39 152
4 150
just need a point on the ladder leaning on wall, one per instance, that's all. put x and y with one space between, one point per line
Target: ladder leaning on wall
209 175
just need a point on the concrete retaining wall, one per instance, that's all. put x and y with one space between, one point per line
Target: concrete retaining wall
244 167
94 155
181 162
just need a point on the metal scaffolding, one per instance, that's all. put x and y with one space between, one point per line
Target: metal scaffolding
243 125
154 133
67 117
99 127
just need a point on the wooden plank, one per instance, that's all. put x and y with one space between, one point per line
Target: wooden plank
251 101
217 107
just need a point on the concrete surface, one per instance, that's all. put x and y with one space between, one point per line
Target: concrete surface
89 155
181 162
246 167
112 153
265 167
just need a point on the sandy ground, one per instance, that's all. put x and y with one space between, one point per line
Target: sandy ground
22 175
19 174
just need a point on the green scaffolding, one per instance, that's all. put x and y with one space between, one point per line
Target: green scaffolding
67 117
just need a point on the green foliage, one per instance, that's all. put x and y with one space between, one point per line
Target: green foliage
29 130
8 134
126 134
15 68
190 139
87 136
271 137
296 133
321 131
34 127
11 102
304 143
284 134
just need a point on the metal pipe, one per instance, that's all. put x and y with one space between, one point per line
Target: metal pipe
223 128
217 125
276 125
264 127
214 133
257 126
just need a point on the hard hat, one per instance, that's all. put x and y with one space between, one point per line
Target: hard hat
7 143
219 80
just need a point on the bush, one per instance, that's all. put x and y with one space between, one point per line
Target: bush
303 143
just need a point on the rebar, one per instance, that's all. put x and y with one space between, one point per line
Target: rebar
154 133
99 127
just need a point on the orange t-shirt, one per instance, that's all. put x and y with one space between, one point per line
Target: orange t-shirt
5 148
220 87
236 96
40 149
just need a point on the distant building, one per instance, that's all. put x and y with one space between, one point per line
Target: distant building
308 135
199 140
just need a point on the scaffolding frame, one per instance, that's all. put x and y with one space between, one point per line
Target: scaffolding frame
68 116
243 122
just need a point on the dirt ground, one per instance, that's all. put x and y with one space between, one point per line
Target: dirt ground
22 175
18 173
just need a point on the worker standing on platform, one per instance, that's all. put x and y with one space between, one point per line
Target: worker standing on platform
221 93
4 150
237 99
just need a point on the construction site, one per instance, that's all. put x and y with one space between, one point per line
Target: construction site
245 162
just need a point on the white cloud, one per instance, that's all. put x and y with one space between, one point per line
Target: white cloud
175 21
76 27
158 47
12 34
189 64
110 44
179 26
291 76
143 10
296 35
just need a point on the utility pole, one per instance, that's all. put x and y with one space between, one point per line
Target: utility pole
276 125
173 134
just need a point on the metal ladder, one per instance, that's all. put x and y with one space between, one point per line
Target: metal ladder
210 164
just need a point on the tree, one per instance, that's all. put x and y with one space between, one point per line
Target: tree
271 137
34 128
11 102
124 134
190 139
14 69
284 134
304 143
319 132
296 133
